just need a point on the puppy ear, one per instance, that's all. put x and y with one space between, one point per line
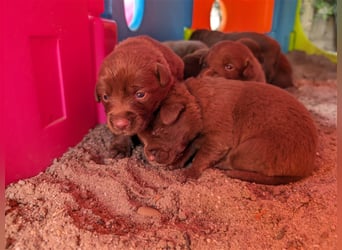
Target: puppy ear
163 74
248 70
97 97
202 53
170 113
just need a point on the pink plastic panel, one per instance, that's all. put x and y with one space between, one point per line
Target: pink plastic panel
104 38
48 82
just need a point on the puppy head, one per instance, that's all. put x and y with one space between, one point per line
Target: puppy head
132 82
229 59
175 126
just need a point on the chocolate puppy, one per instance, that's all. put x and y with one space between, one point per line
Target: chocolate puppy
268 52
255 132
133 79
232 60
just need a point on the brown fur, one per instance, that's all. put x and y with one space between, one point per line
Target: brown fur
284 73
268 51
232 60
133 79
192 52
255 132
193 62
184 47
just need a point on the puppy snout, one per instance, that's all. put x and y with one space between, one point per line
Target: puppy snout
156 155
120 123
152 155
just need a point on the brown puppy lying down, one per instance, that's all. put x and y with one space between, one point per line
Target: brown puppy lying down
255 132
267 51
184 47
232 60
133 79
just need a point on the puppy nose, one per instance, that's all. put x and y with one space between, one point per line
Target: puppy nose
121 123
157 155
152 155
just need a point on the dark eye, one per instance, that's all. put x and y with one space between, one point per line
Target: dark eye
105 98
204 65
228 67
140 94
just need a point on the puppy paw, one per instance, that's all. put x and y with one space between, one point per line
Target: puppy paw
191 174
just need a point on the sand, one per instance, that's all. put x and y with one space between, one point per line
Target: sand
87 200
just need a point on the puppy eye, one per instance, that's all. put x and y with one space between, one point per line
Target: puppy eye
105 98
204 65
140 94
228 67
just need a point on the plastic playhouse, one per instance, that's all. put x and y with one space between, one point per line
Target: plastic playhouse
53 50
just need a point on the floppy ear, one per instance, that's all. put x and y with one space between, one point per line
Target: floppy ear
170 113
248 70
97 98
202 54
193 62
163 74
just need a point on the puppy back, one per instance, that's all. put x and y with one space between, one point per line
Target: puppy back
217 98
274 114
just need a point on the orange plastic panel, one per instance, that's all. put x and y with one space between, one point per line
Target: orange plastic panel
237 15
201 14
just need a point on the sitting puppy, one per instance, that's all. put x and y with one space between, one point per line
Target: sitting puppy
133 79
184 47
267 51
255 132
232 60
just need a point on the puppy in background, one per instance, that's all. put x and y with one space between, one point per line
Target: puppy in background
133 80
268 52
255 132
232 60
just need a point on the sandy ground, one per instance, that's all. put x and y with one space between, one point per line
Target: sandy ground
87 200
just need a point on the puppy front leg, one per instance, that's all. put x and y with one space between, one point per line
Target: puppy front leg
187 154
